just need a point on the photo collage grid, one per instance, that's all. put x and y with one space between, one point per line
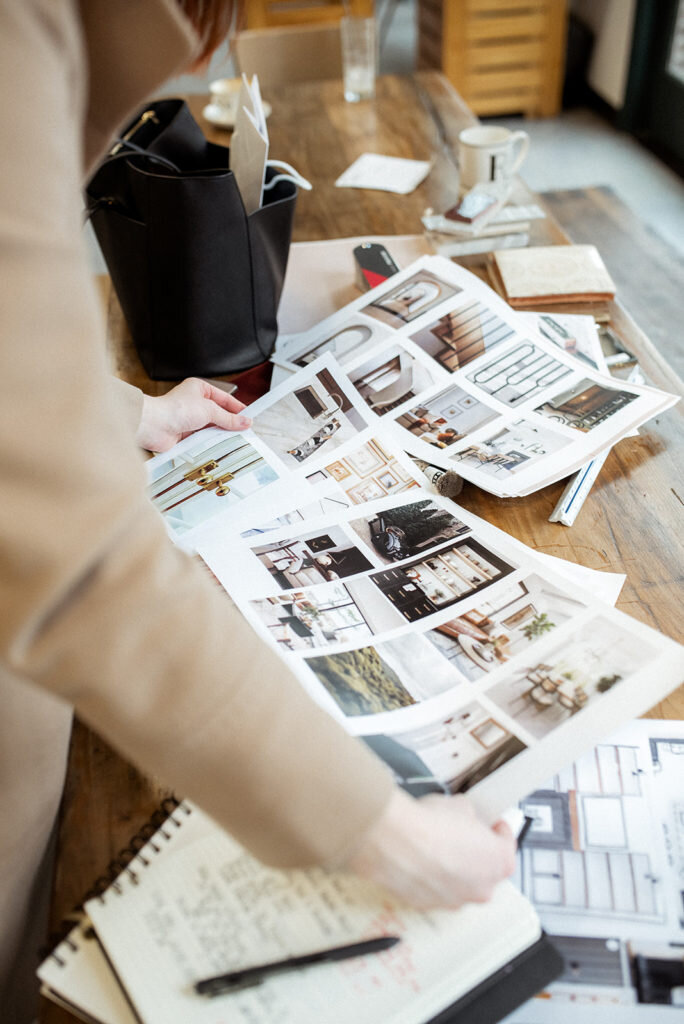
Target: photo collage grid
296 429
410 622
471 384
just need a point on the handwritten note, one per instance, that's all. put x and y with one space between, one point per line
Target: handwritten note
211 908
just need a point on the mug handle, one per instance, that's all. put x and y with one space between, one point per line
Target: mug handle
523 139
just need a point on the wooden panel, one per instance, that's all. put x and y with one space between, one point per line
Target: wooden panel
511 26
507 54
524 102
479 35
522 80
486 7
554 65
267 13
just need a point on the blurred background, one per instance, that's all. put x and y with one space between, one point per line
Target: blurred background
598 84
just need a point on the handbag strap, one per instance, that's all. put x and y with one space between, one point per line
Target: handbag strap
124 149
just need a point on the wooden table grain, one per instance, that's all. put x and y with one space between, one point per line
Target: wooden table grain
631 522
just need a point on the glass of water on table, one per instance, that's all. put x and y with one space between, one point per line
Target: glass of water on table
359 50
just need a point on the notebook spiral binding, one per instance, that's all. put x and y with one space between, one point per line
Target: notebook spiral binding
144 844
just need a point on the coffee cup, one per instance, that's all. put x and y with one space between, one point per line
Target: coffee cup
224 93
488 153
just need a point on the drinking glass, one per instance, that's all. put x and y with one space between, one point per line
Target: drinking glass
358 57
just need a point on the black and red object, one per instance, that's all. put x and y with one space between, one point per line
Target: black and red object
373 265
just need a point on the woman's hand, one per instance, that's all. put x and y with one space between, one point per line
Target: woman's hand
435 852
183 410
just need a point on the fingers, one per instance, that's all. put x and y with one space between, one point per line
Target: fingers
228 402
226 420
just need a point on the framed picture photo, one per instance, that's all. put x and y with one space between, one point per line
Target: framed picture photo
489 733
317 477
338 471
522 615
400 473
365 461
387 479
368 490
321 543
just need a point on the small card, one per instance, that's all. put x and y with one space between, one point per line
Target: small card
386 173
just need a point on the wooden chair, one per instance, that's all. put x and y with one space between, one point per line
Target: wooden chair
283 55
269 13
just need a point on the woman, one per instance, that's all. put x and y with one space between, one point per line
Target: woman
99 611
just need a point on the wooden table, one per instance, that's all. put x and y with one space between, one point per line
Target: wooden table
631 522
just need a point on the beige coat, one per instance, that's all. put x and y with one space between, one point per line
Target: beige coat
99 611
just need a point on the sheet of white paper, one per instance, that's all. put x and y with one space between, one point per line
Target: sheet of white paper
633 780
385 173
501 405
423 627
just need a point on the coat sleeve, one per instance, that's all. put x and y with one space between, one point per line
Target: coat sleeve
98 607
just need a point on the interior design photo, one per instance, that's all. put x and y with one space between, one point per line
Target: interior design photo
518 374
462 748
326 614
344 343
389 379
446 417
190 487
301 561
316 415
462 335
422 587
304 619
551 689
416 295
408 530
369 472
585 405
495 629
512 448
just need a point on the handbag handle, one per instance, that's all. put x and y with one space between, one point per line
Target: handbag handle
125 148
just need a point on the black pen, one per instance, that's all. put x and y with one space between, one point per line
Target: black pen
527 825
236 980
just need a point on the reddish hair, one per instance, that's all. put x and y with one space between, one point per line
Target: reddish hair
212 20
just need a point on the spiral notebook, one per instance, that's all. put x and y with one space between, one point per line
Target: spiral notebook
193 903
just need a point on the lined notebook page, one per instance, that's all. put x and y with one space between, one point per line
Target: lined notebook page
78 977
210 908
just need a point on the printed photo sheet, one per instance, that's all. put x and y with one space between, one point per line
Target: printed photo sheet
604 865
459 657
469 384
296 428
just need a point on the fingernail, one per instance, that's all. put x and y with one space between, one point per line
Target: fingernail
243 422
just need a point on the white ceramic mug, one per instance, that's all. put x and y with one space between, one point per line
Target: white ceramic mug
225 93
489 153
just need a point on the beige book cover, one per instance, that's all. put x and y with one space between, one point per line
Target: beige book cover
542 275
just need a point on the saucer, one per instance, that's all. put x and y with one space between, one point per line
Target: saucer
221 118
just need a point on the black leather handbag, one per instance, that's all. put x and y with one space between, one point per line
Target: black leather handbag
198 280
